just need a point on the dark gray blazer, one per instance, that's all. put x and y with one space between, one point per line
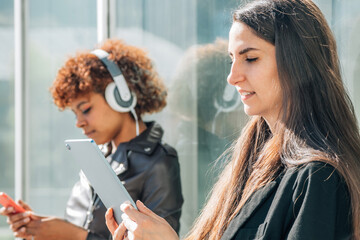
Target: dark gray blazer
311 202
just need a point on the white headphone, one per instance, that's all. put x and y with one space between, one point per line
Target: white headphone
117 93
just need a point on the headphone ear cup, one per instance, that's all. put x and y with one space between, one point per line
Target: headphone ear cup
112 97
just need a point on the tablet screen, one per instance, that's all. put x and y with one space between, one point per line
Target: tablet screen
100 174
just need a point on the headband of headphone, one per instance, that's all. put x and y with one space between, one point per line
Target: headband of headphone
117 93
118 96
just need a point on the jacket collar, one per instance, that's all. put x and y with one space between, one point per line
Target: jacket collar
248 209
148 140
145 143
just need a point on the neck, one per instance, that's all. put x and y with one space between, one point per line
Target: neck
128 132
274 121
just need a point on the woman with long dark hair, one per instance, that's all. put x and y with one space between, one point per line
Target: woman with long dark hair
294 173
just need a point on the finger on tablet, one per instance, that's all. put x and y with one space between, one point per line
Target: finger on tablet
110 221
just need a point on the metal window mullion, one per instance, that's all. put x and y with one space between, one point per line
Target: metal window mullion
106 17
20 14
112 18
102 20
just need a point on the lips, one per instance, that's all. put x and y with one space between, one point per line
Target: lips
246 93
89 133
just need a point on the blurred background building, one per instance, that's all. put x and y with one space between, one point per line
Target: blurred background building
187 41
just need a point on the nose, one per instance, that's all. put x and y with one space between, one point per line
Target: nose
80 121
236 75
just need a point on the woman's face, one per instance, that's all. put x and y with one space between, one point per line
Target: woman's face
97 119
254 73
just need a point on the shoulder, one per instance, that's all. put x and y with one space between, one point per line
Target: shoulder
315 180
164 167
165 158
314 171
168 150
318 200
155 158
317 171
163 161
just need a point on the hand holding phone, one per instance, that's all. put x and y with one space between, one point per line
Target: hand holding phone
7 201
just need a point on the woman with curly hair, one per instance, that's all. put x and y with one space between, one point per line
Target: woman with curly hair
148 167
294 173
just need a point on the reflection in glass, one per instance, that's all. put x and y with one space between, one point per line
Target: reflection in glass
200 81
164 29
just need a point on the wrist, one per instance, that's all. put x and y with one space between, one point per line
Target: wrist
82 234
72 231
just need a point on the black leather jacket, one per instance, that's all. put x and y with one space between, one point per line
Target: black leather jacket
149 171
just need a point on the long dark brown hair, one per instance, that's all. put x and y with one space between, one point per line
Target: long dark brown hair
318 122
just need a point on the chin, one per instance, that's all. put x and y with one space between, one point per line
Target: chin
99 141
248 111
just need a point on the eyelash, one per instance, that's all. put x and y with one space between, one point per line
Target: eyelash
251 59
86 110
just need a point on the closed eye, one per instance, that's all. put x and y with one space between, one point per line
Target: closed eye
251 59
86 110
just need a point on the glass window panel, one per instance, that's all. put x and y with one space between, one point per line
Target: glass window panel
346 27
202 116
6 106
344 21
57 29
151 25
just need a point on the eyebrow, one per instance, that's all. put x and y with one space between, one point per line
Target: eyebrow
248 50
81 103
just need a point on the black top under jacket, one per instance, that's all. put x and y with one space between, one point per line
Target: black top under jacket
307 203
149 170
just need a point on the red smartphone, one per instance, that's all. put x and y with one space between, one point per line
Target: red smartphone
7 201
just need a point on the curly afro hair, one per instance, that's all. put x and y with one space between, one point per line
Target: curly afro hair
85 73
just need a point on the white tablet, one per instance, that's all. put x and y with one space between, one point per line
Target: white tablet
100 174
